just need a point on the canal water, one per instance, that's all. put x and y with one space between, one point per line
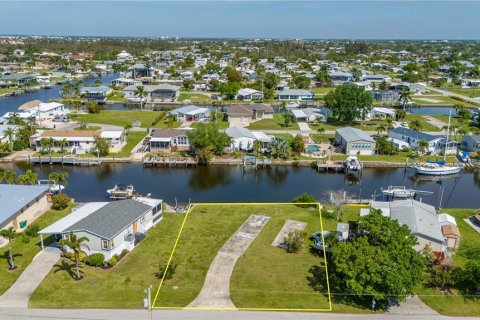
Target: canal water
11 104
277 184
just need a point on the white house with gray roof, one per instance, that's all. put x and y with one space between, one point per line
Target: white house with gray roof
354 141
294 94
20 206
413 138
109 226
191 113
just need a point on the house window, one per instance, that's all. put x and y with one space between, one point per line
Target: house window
105 244
142 218
112 243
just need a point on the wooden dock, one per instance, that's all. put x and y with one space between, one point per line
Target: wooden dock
76 161
325 165
151 161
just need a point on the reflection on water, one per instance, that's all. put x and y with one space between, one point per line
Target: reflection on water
276 184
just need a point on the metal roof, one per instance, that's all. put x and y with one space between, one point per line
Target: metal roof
13 198
190 110
238 132
294 92
414 134
353 134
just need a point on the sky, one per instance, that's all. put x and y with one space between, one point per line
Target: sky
245 19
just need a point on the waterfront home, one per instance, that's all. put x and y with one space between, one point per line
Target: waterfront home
381 113
18 78
294 94
22 115
191 113
419 217
4 128
470 143
354 141
98 94
247 94
124 56
21 205
243 114
241 139
376 77
339 77
124 82
109 226
159 92
413 138
308 114
263 139
386 95
43 110
168 140
139 70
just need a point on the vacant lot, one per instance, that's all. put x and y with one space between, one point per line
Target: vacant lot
277 123
123 118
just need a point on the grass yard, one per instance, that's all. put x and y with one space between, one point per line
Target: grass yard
276 123
194 97
220 123
436 99
322 91
455 304
471 126
466 92
24 252
322 138
123 118
426 126
133 138
116 97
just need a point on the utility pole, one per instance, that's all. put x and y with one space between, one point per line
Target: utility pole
147 301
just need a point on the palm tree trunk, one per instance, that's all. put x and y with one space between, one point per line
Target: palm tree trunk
76 266
10 254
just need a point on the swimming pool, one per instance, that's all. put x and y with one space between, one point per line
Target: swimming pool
313 148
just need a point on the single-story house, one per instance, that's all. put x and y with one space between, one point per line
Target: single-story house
191 113
3 132
168 140
243 114
98 94
307 114
154 92
115 138
18 78
470 143
420 218
413 138
294 94
381 113
354 141
109 226
340 76
386 95
123 82
263 139
21 205
139 70
376 77
242 138
247 94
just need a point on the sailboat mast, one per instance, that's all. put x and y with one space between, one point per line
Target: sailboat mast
447 136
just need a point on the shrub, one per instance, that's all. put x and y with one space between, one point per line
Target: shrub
69 255
170 271
60 201
25 238
95 259
112 261
32 230
304 198
295 240
124 252
160 116
117 257
19 145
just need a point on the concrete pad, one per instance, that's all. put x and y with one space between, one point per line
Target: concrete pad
19 293
413 306
289 226
303 126
215 292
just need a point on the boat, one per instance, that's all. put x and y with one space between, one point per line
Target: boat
121 191
353 164
47 86
402 192
463 156
53 187
438 168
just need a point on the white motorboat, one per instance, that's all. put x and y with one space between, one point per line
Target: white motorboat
53 187
438 168
121 191
400 192
353 164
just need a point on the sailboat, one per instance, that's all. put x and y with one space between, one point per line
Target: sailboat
438 168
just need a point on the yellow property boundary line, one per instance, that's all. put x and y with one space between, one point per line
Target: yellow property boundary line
191 207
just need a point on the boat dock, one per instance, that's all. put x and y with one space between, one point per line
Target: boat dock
66 160
326 165
169 161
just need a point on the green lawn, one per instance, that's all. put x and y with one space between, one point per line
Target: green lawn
122 118
194 97
322 91
276 123
436 99
466 92
426 126
116 97
322 138
24 252
220 123
471 126
455 304
133 138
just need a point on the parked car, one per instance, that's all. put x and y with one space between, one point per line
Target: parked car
61 118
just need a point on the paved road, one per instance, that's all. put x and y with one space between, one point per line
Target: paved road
19 293
215 292
107 314
452 94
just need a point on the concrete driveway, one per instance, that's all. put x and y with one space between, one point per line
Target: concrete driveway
19 293
216 288
304 126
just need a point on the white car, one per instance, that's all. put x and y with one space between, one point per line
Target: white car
404 124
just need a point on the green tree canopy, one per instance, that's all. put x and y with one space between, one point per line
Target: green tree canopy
348 102
378 261
207 138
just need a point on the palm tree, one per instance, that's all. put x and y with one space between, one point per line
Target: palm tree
400 114
10 235
29 177
60 178
31 123
8 175
76 245
422 146
381 128
63 143
321 130
405 97
50 143
416 125
9 132
76 105
127 127
389 123
141 93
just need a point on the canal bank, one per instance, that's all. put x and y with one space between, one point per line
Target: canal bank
217 183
